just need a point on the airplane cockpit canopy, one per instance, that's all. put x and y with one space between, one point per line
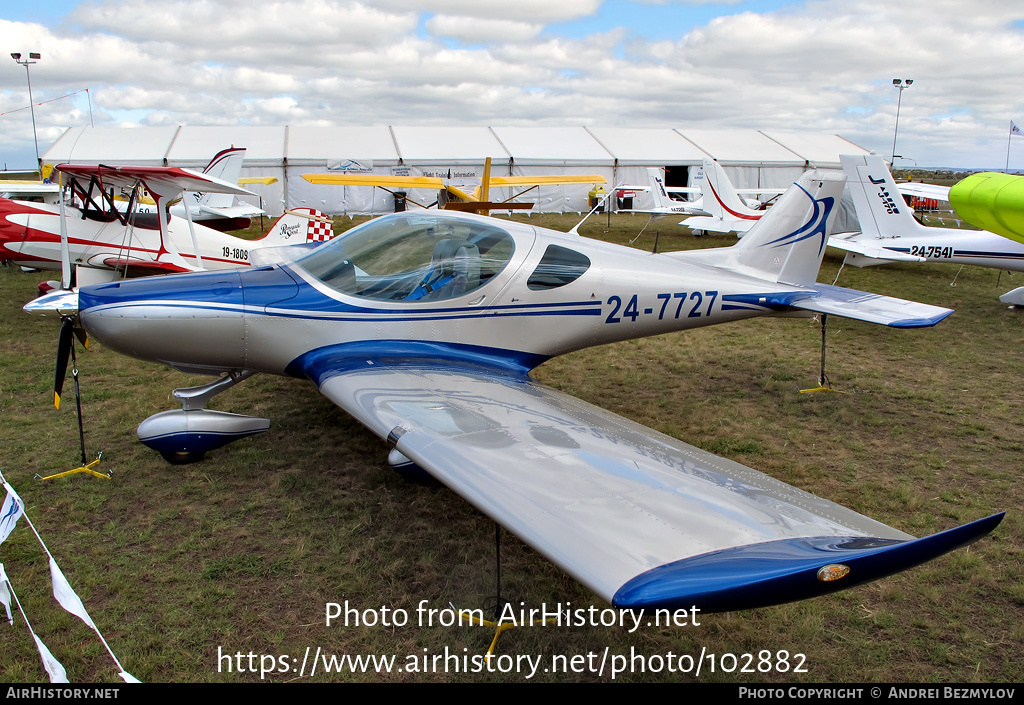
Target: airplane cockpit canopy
412 257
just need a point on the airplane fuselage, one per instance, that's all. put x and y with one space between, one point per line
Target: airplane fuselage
30 237
976 248
288 320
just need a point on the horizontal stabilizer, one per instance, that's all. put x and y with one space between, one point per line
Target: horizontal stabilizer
718 225
862 306
916 188
872 247
788 570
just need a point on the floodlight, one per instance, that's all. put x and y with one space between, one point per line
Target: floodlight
32 58
900 85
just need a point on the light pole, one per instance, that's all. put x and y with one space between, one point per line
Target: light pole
901 86
33 57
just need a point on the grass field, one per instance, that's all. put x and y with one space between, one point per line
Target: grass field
240 553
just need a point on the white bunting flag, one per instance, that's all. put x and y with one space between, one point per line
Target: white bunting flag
11 511
67 597
52 665
5 595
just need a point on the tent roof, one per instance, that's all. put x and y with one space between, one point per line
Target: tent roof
818 150
448 145
91 145
633 146
317 145
552 145
193 146
742 148
262 145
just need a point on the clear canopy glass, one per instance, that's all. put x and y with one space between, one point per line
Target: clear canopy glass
412 257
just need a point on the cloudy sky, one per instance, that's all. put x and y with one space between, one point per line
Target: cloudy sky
817 65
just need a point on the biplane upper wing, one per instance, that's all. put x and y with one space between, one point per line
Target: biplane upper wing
158 180
644 520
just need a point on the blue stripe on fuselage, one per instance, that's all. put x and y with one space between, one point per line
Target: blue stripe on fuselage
323 363
224 287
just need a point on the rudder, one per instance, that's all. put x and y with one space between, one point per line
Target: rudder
788 243
299 226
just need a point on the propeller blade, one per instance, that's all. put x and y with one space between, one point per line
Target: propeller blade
64 343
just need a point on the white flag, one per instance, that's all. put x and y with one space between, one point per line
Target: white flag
1014 130
5 595
67 597
11 511
52 665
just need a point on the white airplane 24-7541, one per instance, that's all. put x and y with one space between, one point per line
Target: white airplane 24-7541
424 326
890 233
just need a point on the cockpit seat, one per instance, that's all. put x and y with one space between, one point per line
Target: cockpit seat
454 270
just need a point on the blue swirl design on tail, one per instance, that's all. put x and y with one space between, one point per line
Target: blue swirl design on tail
815 225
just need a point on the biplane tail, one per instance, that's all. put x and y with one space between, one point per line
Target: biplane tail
299 226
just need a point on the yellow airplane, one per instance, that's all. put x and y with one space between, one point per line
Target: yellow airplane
476 202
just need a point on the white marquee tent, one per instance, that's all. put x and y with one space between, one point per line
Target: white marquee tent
752 158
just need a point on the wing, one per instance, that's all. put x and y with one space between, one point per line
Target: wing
712 224
139 267
916 188
241 210
157 179
641 518
870 247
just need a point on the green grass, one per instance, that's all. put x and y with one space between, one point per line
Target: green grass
241 552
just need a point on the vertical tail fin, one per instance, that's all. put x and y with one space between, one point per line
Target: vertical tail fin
720 197
299 226
661 197
788 243
881 209
226 165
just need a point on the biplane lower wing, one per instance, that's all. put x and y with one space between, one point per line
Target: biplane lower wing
642 519
141 267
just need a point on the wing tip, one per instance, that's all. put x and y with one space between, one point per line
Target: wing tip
760 575
926 322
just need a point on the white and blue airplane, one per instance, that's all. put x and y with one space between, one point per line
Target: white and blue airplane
424 326
890 233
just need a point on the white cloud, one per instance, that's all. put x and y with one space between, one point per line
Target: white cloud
823 65
473 30
530 11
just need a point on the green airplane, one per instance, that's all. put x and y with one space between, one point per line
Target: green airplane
991 201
